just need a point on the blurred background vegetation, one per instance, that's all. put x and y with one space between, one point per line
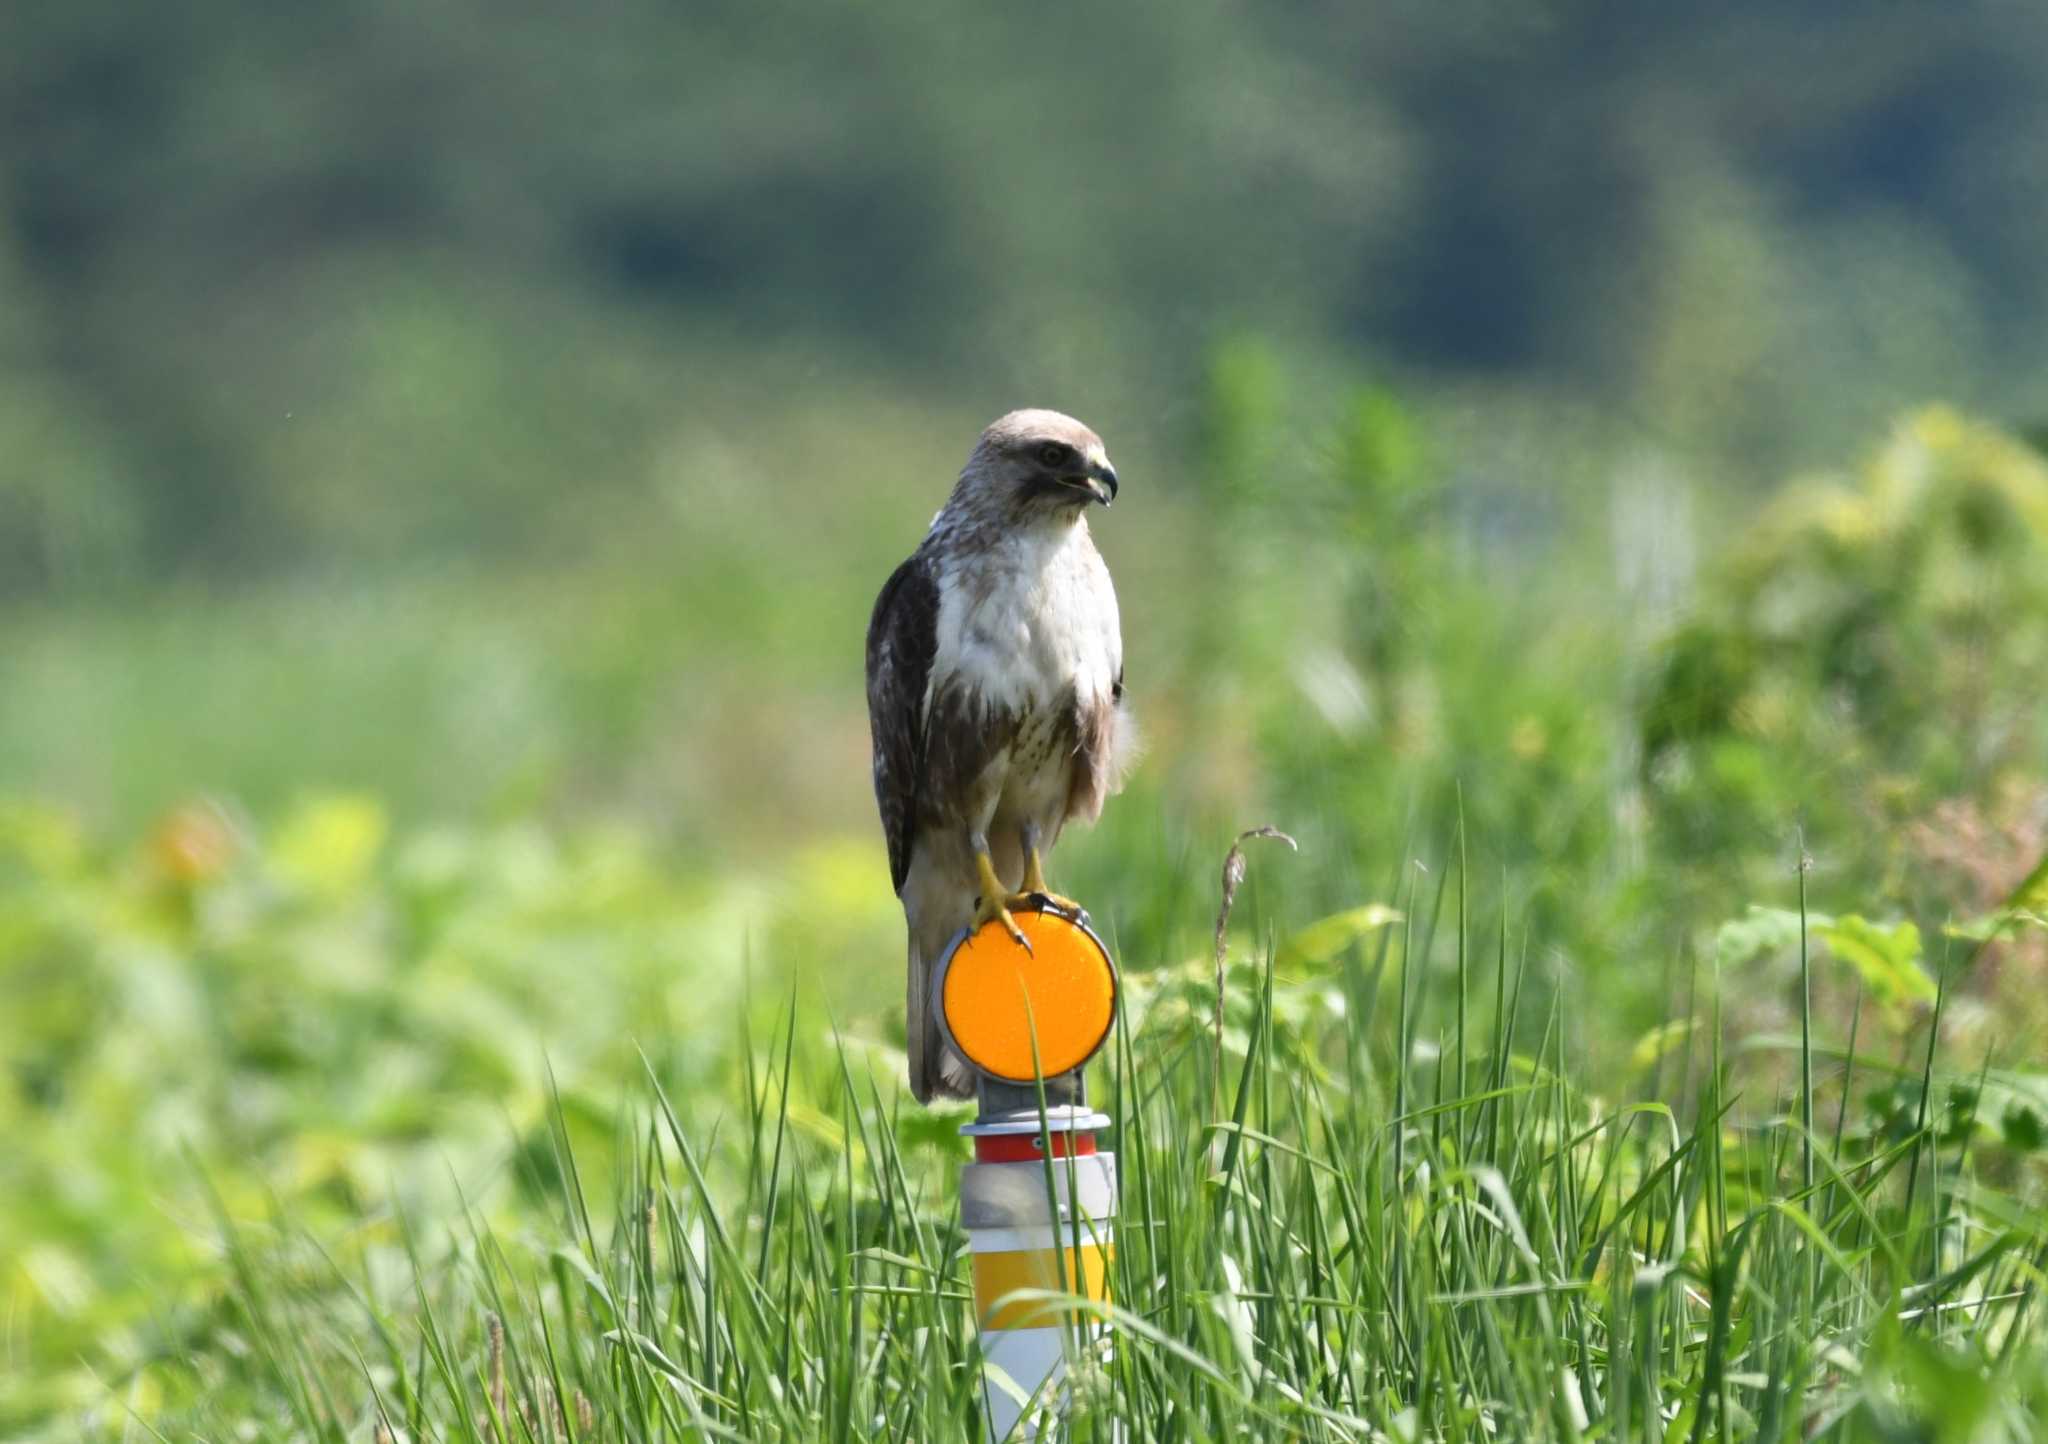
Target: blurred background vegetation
447 456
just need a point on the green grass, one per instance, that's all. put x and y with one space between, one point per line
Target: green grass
1407 1218
538 966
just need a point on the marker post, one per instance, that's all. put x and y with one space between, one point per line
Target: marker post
1029 1226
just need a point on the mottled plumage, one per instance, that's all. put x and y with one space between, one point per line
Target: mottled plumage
995 691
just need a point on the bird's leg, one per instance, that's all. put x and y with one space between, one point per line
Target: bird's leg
996 900
1034 879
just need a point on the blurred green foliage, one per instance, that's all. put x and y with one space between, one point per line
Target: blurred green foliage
362 286
446 460
1873 644
292 1111
322 1011
344 1022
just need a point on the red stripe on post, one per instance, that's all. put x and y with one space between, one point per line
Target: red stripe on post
1024 1147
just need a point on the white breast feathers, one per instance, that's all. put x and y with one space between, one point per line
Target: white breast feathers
1028 621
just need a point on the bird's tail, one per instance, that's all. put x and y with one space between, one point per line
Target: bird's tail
936 1071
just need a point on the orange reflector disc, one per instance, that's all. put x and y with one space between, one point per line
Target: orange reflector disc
1068 978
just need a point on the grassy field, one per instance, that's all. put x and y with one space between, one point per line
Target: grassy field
1584 479
474 1012
1397 1211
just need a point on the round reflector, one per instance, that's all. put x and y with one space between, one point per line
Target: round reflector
993 995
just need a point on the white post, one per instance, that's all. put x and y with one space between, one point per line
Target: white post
1021 1238
1027 1017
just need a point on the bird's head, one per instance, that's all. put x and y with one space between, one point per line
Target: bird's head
1038 463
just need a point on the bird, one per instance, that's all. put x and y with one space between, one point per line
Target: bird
995 680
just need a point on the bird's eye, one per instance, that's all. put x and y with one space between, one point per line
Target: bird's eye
1053 453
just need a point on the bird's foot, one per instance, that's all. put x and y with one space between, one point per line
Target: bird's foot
995 903
1036 892
1041 900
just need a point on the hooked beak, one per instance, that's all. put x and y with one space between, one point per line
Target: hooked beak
1102 481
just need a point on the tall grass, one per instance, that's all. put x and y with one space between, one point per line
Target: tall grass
1394 1216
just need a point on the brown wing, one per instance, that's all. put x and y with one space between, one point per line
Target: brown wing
1098 753
903 636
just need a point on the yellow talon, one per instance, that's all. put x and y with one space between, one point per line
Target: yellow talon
995 902
1035 888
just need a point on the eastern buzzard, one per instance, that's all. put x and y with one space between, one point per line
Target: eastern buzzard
995 695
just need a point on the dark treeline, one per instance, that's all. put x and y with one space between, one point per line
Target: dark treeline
298 282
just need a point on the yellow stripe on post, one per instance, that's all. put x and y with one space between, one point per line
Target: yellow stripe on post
997 1274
